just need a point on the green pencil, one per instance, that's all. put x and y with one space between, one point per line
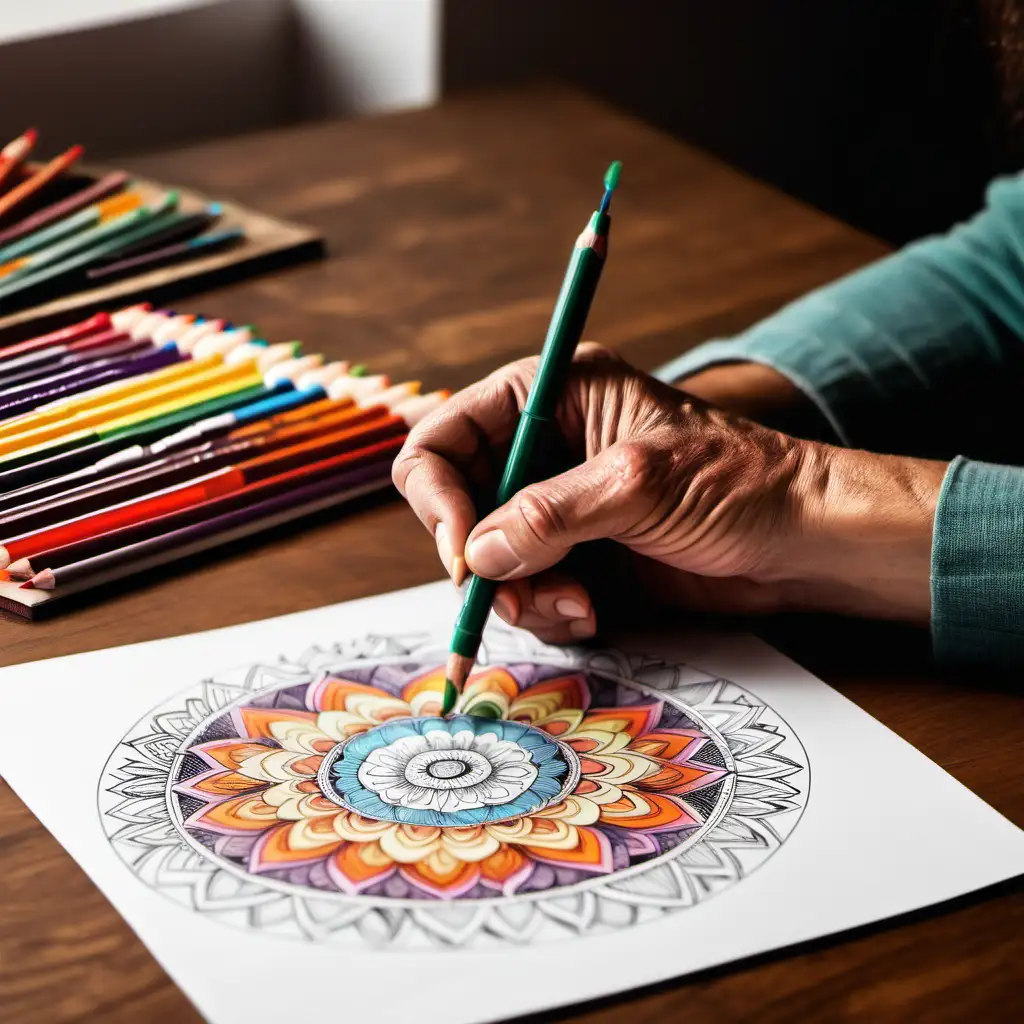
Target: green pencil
564 333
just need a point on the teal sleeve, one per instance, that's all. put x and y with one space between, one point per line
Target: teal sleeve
978 565
908 354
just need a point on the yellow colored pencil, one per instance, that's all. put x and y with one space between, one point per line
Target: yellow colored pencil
84 436
66 407
171 396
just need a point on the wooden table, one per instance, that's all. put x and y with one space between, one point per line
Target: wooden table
447 231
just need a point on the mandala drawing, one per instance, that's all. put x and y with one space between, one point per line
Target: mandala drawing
325 799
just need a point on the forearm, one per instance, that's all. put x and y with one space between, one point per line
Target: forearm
885 354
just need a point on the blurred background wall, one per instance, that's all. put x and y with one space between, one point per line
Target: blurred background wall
883 112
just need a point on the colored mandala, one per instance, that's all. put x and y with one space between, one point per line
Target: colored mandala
326 799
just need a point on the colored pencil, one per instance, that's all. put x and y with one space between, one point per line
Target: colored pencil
15 152
186 541
109 239
71 366
42 246
83 329
568 319
191 249
42 361
215 484
92 376
127 461
131 413
250 458
105 186
185 227
77 452
134 398
35 182
110 540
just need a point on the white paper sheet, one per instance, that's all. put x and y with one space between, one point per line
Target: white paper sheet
769 860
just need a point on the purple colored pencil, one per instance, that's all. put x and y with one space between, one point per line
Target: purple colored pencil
120 369
229 526
65 207
49 374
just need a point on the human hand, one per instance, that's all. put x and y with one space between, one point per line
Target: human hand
712 511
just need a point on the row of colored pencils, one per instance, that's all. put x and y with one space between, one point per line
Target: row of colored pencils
60 233
139 436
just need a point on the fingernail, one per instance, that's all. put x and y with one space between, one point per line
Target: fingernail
569 608
506 608
581 628
490 555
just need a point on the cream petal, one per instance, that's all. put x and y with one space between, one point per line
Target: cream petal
273 766
298 737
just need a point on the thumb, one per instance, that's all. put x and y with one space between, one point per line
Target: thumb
602 498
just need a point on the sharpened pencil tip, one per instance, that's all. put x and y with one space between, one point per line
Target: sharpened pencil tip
611 176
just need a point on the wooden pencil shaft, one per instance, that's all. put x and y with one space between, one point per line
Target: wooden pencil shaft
175 469
95 375
173 499
83 329
278 510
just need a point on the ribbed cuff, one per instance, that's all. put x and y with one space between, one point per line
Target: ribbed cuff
978 565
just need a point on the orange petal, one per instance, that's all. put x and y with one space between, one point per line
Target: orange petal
593 852
331 693
681 778
229 753
669 744
225 784
550 697
242 814
449 880
274 850
430 682
660 812
359 865
491 680
257 721
634 721
501 866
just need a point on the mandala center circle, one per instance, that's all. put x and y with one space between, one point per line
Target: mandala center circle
446 770
456 772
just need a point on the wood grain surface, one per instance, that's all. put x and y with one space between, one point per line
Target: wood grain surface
447 232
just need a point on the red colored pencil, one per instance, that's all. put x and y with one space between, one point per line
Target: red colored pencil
111 540
217 484
31 185
15 152
255 458
66 335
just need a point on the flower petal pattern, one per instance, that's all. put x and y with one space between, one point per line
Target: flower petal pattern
542 779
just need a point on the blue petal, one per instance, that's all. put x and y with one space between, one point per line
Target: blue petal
545 752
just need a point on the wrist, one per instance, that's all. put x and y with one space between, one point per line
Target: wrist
864 526
759 393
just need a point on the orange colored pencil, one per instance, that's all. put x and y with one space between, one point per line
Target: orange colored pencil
31 185
15 152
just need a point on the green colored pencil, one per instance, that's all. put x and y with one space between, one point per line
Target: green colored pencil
110 239
564 333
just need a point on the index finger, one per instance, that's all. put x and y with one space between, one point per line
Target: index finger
430 469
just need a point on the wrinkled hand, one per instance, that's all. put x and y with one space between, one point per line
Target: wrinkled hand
710 510
700 500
